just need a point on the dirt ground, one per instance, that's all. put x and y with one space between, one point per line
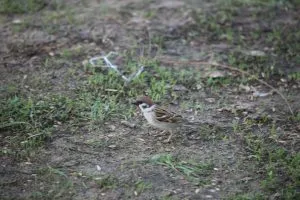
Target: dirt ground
68 130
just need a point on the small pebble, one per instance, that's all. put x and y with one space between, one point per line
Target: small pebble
98 167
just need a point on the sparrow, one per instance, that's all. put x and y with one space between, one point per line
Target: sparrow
159 117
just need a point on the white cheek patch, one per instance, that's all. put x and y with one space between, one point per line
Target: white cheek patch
145 108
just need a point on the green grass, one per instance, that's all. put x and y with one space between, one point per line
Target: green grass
280 168
156 80
32 119
249 196
295 76
21 6
223 26
196 173
107 182
141 186
60 187
255 3
282 173
71 53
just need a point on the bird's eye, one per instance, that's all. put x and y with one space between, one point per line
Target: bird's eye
145 106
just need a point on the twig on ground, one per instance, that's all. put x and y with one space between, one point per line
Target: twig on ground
237 70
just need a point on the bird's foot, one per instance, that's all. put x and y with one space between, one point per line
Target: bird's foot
169 138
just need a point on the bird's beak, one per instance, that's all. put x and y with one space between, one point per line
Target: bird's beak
135 103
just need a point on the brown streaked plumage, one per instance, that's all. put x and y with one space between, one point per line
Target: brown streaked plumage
159 117
165 116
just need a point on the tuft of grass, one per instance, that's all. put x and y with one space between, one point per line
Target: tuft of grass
21 6
107 182
103 95
71 53
280 167
31 121
159 41
294 76
157 81
249 196
192 171
223 25
59 184
140 186
255 3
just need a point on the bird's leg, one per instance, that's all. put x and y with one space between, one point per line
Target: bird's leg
158 134
148 128
170 136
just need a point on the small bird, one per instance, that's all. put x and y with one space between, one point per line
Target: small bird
159 117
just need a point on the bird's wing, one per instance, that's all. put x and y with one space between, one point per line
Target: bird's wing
163 115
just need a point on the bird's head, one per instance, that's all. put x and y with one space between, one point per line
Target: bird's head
143 102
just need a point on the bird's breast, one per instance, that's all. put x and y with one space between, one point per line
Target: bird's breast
150 117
